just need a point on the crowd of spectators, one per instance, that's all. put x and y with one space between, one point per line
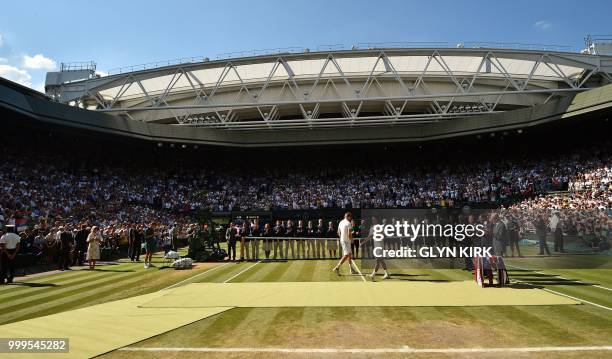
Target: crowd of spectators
585 214
46 194
45 188
583 208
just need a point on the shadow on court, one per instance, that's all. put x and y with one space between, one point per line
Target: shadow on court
32 285
542 279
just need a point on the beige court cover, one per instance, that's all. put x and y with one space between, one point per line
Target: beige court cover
350 294
105 327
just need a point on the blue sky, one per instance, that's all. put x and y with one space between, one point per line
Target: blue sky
36 36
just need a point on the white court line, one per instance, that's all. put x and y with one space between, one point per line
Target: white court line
571 297
197 275
372 351
564 295
358 271
558 276
242 271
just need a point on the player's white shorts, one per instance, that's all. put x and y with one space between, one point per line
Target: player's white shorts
346 247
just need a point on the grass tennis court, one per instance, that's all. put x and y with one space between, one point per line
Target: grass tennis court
561 330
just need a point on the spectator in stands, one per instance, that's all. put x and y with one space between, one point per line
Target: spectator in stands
39 240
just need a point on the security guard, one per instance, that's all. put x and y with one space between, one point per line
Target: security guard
556 228
289 241
255 239
245 241
320 234
513 235
9 247
499 235
231 235
267 234
357 230
332 240
194 234
65 240
279 232
208 237
310 234
173 233
300 238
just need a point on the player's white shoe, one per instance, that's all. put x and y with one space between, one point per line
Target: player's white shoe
386 276
371 276
336 270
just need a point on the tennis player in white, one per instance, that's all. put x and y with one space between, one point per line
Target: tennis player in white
378 243
346 238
